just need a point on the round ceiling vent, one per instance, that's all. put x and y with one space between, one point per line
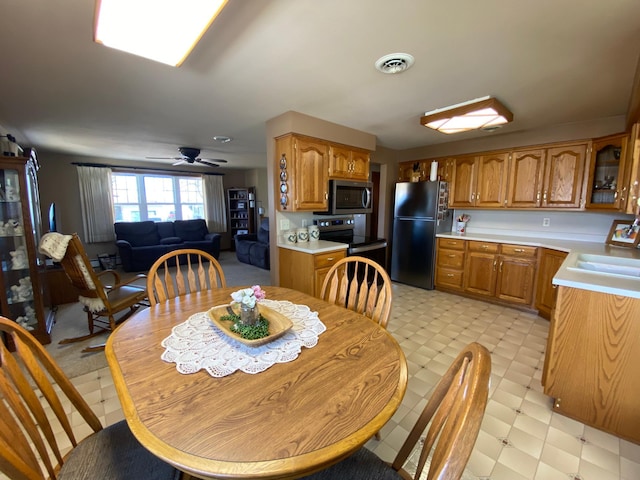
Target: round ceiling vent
394 62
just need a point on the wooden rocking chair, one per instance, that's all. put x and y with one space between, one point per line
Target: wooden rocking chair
101 302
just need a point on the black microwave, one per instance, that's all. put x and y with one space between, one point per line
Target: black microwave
349 197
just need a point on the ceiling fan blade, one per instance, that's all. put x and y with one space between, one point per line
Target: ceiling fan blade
162 158
180 162
215 160
204 162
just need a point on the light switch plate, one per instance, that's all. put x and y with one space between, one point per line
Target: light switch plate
284 224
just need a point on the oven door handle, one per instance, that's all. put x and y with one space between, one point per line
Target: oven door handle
368 248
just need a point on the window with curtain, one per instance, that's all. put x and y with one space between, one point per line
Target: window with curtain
160 198
96 204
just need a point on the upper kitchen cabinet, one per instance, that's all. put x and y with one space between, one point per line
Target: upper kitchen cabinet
302 173
551 177
479 181
348 163
526 174
606 188
564 175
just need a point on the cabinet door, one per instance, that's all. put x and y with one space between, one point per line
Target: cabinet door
564 176
463 182
480 273
491 184
515 279
310 175
605 183
339 162
632 175
404 171
550 262
526 173
360 163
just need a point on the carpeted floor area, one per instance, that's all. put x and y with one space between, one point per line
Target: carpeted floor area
71 320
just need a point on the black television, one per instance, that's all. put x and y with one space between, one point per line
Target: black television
53 223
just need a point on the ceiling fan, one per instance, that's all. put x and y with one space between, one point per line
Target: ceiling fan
190 155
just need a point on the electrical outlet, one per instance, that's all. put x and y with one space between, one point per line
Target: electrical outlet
546 222
284 224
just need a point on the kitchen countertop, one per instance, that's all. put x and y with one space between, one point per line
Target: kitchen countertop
321 246
586 280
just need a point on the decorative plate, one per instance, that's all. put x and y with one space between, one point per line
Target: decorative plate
278 324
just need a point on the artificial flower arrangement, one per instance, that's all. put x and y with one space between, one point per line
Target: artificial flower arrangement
249 323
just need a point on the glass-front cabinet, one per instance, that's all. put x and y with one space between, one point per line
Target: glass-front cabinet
606 188
22 281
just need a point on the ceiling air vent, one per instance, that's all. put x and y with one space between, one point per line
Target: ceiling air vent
394 63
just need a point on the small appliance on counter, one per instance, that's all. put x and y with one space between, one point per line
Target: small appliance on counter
421 211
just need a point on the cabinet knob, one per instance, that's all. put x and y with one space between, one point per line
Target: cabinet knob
519 250
451 255
495 262
449 274
485 246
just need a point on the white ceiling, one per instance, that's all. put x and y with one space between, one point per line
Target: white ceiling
549 61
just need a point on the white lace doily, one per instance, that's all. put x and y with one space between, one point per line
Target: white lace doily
198 344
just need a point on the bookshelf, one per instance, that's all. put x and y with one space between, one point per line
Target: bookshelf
241 211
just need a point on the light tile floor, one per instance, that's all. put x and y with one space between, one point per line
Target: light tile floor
521 438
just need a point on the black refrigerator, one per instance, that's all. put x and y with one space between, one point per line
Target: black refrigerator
421 210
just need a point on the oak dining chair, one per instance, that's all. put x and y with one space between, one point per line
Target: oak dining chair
361 285
454 411
101 300
34 431
183 271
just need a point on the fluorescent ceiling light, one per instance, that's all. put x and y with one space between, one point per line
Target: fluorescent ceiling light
485 112
162 30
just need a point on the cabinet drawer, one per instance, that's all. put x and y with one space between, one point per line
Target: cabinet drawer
519 250
448 277
323 260
487 247
450 258
451 243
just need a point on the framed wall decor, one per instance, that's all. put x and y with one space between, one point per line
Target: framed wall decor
624 233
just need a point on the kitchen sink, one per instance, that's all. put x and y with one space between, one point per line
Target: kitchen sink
605 265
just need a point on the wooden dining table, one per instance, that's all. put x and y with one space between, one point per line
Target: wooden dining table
287 421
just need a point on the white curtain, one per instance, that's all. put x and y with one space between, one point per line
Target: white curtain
214 206
96 202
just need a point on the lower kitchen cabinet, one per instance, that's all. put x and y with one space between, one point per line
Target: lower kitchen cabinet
450 263
546 292
502 272
591 362
304 271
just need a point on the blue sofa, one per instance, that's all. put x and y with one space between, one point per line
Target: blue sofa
142 243
253 248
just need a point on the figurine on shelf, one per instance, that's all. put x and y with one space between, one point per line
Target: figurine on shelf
28 319
11 195
19 259
10 226
23 291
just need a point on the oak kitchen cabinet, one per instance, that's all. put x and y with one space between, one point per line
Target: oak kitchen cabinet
606 188
546 292
550 177
304 271
450 263
479 181
504 271
348 163
302 173
591 361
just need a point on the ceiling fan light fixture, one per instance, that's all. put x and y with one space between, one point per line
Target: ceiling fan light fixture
394 63
165 32
486 113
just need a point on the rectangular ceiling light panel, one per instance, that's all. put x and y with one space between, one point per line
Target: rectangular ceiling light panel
162 30
479 113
